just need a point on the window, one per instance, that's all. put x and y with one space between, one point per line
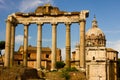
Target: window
18 62
47 55
28 55
114 58
93 58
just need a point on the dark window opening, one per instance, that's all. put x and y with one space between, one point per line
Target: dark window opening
114 58
18 62
28 55
93 58
47 55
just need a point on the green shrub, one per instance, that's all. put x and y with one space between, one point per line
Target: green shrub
71 69
65 74
60 65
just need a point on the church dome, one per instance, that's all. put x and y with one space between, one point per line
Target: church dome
95 36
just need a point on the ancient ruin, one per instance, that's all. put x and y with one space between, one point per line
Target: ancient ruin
42 15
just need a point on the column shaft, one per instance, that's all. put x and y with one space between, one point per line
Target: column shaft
68 45
82 44
12 45
54 46
25 52
77 56
39 46
7 44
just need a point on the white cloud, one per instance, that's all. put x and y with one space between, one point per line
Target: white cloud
27 5
115 45
2 4
19 39
46 40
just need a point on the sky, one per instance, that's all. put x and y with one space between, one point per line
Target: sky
107 13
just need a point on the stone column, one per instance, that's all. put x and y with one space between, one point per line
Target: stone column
82 44
108 70
54 46
7 43
12 44
25 44
39 46
77 56
68 46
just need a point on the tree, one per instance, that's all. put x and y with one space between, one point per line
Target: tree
2 45
60 64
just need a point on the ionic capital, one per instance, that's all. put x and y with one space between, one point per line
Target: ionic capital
83 15
26 23
54 23
8 20
40 23
82 21
14 24
67 23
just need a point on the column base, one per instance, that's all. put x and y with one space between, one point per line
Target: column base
82 69
39 69
53 70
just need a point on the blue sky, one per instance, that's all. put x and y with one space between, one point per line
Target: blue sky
107 14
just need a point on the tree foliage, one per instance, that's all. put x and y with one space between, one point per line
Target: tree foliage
60 65
2 45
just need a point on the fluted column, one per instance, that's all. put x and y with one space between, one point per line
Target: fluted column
54 46
7 43
82 44
39 46
68 46
25 44
12 44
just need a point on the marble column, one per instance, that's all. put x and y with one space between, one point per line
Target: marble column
7 43
39 45
25 44
68 46
54 46
12 44
82 44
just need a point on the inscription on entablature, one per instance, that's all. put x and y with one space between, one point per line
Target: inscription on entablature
48 19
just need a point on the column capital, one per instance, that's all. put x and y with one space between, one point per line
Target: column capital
14 24
39 23
83 15
82 20
26 23
67 23
8 20
54 23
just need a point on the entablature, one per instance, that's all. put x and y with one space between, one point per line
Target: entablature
49 14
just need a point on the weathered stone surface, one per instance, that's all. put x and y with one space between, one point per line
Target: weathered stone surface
18 73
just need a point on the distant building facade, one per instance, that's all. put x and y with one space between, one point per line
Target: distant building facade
31 57
101 62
